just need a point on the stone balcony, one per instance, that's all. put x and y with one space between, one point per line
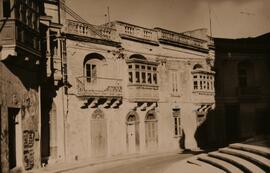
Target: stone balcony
181 40
136 33
143 93
93 31
99 87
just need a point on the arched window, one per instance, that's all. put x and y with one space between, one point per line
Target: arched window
132 117
150 116
91 63
98 114
197 66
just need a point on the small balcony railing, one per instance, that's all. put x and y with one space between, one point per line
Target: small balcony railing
99 87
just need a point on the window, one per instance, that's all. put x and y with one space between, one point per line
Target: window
90 72
177 122
6 8
202 80
175 82
142 73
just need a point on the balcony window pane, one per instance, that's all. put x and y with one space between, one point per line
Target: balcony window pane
130 77
137 77
143 77
195 85
149 78
155 78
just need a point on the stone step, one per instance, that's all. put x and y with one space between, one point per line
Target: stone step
227 167
205 166
263 162
264 151
243 164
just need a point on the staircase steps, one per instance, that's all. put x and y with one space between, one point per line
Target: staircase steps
256 159
223 165
243 164
204 166
263 151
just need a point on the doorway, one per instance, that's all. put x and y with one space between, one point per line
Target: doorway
12 132
98 134
151 131
132 132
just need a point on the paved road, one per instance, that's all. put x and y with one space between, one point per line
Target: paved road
139 165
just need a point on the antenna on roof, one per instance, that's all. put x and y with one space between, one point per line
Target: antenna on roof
210 21
108 12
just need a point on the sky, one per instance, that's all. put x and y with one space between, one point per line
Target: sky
229 18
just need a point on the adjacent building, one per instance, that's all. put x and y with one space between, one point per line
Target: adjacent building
242 90
19 81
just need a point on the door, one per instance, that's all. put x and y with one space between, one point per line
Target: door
232 122
98 134
131 138
151 131
12 113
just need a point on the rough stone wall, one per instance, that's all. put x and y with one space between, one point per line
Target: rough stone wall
19 91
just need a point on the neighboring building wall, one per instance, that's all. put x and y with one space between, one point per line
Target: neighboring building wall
242 94
19 67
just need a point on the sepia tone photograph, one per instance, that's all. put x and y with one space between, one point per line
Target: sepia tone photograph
134 86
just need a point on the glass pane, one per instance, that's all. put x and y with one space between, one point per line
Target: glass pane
143 77
137 77
130 77
155 78
149 78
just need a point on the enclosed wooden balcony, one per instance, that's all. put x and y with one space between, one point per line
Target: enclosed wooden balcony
99 87
143 93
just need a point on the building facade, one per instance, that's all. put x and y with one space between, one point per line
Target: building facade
130 89
19 93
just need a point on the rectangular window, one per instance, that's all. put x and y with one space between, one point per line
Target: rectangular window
155 78
6 8
195 85
149 78
137 75
130 77
143 77
177 122
88 72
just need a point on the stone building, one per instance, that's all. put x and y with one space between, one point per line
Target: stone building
19 94
129 89
242 90
28 34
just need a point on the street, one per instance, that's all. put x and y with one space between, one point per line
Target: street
137 165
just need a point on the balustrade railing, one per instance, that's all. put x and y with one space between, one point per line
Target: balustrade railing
181 38
84 29
97 86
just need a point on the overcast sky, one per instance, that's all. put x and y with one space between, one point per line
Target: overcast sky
230 18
